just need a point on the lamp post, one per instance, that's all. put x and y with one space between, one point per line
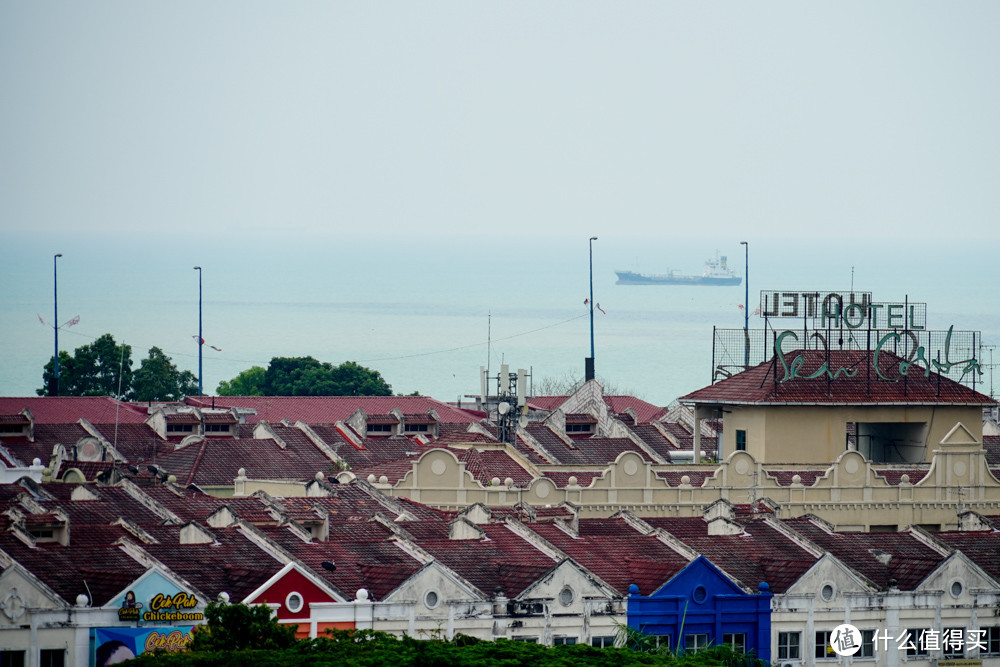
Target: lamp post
55 321
746 302
589 369
200 340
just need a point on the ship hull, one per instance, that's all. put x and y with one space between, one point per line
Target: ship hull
631 278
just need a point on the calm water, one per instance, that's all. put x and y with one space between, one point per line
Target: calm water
421 311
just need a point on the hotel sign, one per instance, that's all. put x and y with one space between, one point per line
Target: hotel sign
899 333
847 310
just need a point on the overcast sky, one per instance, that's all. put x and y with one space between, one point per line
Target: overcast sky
385 118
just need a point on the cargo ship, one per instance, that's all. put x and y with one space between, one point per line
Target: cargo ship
716 272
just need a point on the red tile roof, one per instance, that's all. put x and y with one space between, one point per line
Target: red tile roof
364 554
758 385
981 547
583 477
330 409
759 553
70 409
503 560
909 560
991 443
674 477
490 463
646 412
617 553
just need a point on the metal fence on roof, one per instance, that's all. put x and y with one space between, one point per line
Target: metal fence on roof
956 355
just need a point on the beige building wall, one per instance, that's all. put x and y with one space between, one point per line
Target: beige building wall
818 434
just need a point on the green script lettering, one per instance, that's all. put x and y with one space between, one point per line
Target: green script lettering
792 371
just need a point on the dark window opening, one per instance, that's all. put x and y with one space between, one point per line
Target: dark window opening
892 442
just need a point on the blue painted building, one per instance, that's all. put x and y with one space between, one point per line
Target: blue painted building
701 607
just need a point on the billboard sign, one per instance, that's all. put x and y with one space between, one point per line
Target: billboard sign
114 645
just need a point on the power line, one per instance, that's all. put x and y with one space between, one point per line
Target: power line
373 359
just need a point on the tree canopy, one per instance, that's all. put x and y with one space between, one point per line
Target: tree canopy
104 368
305 376
157 379
248 383
218 645
92 370
238 627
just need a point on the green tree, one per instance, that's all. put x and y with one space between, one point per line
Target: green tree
238 627
305 376
157 379
101 368
248 383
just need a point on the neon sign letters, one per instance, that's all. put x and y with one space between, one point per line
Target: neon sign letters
853 310
917 356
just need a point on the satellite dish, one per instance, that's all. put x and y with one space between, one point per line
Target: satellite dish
503 408
523 421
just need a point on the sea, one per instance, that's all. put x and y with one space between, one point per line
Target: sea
428 312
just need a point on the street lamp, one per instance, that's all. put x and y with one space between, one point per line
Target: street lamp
589 368
746 302
55 325
200 341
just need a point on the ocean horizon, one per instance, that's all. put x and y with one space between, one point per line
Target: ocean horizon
428 313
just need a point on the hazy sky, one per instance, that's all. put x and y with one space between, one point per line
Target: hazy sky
522 118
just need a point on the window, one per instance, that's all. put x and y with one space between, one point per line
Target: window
530 608
915 642
695 642
526 640
603 642
180 428
741 440
823 649
992 640
738 640
956 589
579 428
415 428
953 642
827 592
867 649
788 645
375 429
431 599
883 528
699 594
566 596
563 641
52 657
294 602
217 428
11 429
11 658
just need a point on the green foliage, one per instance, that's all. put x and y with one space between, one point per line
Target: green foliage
368 648
722 654
157 379
305 376
248 383
93 370
238 627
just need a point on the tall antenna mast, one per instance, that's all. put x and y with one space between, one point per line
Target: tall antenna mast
489 353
